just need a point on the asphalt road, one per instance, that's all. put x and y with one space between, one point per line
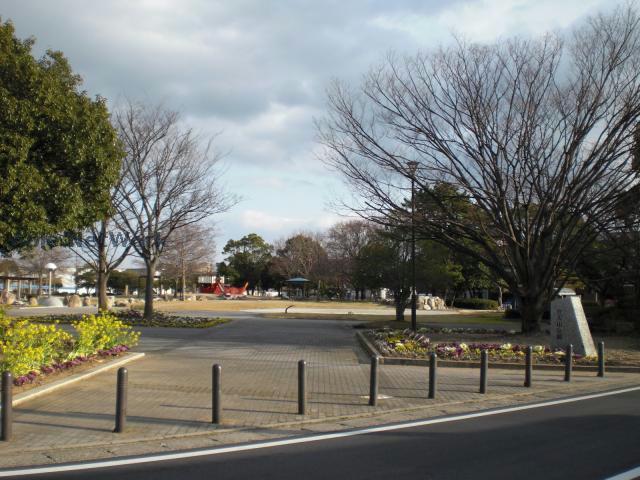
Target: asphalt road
590 439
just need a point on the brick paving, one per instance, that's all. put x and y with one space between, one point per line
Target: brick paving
170 393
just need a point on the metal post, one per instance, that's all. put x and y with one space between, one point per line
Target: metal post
7 406
601 359
528 369
373 381
568 360
302 394
414 321
484 366
433 366
121 400
216 394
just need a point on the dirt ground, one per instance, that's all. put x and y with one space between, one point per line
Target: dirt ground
221 305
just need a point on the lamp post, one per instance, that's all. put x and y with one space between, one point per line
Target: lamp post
412 169
51 267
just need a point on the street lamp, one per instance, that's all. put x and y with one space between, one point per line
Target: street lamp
51 267
413 166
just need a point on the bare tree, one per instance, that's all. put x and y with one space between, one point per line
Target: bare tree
535 135
188 250
35 261
344 242
102 249
170 181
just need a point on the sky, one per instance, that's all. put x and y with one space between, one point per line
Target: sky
254 73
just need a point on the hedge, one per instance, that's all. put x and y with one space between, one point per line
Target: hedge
476 303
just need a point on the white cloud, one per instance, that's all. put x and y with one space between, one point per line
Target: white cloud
260 221
487 20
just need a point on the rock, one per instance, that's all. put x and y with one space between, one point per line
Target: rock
33 301
122 303
7 298
110 301
200 298
50 302
86 302
74 301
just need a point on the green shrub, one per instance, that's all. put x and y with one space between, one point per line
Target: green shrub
25 346
28 347
102 332
476 303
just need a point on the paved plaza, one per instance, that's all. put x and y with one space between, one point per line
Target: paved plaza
170 392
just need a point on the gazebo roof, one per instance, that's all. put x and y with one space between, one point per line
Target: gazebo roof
297 280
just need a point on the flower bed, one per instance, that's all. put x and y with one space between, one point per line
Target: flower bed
30 349
68 364
408 344
135 318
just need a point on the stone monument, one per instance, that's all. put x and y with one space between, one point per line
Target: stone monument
569 326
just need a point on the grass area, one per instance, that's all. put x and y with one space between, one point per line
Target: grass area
221 305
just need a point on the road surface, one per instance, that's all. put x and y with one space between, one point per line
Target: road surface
588 439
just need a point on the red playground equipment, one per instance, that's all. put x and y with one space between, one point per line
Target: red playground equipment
218 288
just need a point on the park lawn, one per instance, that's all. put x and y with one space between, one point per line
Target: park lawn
221 305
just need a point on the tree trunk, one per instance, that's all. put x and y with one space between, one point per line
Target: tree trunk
400 299
103 277
39 284
148 290
531 310
499 296
184 282
399 311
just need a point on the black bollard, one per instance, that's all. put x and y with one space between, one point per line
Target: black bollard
373 381
528 369
601 359
433 367
7 406
121 400
484 367
216 394
568 361
302 391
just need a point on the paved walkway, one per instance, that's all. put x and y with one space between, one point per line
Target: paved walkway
170 396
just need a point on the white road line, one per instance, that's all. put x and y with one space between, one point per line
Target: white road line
628 475
308 439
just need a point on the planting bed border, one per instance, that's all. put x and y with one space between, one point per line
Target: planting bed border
73 378
371 350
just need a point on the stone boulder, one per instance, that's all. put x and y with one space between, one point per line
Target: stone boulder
33 301
74 301
7 298
86 302
51 302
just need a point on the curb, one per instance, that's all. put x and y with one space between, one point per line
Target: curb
371 350
45 389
